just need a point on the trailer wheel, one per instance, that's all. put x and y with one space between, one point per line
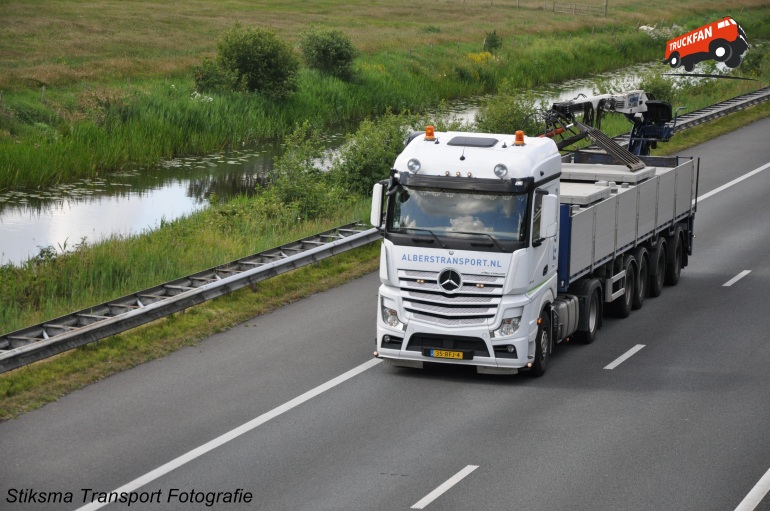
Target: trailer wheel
674 258
658 261
623 304
588 336
642 280
542 346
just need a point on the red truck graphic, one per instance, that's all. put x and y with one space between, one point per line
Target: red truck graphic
723 41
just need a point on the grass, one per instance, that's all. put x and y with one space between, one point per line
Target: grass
128 97
74 41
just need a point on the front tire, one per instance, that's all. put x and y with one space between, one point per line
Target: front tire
543 345
720 50
588 336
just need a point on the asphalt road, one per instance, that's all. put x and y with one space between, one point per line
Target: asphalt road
682 424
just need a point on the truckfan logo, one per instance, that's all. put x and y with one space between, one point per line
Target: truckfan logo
723 41
449 280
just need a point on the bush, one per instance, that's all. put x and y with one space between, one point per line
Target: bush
492 42
298 183
210 76
507 112
660 87
329 51
369 153
260 61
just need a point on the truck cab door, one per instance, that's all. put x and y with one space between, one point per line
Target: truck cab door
544 252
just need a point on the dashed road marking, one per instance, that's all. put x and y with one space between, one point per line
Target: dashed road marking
625 356
736 278
444 487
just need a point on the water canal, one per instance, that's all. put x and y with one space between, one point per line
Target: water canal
135 200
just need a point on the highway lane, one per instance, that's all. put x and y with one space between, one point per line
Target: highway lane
679 425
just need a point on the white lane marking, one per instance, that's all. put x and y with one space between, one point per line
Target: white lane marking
756 494
736 278
444 487
625 356
733 182
235 433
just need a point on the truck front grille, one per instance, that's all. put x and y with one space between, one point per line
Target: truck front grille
474 303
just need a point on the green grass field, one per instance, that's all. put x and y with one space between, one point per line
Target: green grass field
89 87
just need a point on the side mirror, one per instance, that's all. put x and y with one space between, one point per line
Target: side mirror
549 216
376 216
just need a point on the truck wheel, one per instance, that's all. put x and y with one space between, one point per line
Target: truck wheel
674 61
642 279
720 50
588 336
659 260
623 304
542 346
674 258
734 60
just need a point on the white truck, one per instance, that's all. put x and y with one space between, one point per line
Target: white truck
496 247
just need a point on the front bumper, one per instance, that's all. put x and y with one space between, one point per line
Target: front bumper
409 345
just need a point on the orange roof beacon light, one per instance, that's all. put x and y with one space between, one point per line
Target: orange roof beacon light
519 140
430 133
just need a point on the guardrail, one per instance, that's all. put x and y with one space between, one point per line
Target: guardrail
692 119
89 325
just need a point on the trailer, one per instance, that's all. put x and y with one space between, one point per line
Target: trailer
497 248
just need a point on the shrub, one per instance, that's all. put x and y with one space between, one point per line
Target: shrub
260 61
369 153
210 76
492 42
507 112
661 88
329 51
298 183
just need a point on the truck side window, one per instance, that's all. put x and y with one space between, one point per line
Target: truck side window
537 209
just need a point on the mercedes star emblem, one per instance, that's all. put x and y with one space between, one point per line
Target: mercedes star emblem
449 280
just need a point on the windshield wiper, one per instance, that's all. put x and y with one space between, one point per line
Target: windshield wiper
429 232
494 240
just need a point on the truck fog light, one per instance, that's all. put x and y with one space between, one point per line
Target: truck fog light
509 326
511 348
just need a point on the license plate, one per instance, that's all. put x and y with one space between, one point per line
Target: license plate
446 354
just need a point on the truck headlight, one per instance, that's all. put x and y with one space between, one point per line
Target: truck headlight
509 326
390 317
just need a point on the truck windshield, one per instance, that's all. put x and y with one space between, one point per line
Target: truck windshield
456 213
